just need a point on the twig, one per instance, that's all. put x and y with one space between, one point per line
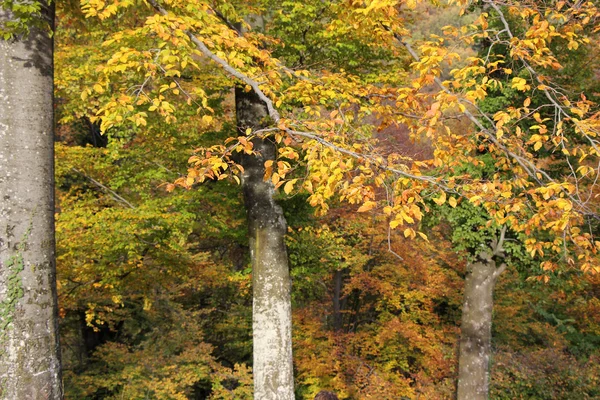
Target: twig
111 192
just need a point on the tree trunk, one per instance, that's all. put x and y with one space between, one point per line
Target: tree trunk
272 311
476 326
337 294
29 349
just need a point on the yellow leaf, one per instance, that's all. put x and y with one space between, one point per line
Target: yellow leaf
408 218
537 146
207 119
275 178
84 95
98 88
475 199
369 205
409 232
440 200
520 84
564 204
424 236
289 186
452 202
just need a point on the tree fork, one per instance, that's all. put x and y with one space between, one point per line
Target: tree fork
476 323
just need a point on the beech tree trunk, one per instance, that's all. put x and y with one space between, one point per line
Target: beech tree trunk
476 325
271 309
29 349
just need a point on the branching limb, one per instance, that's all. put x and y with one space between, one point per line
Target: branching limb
498 250
541 85
276 117
527 165
535 173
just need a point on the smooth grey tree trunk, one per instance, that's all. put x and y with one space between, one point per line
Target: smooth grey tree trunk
29 349
476 324
271 308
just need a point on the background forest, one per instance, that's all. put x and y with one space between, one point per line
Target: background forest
154 269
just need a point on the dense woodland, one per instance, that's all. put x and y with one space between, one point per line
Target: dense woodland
267 199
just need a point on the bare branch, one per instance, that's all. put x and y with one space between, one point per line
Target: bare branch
499 270
106 189
497 248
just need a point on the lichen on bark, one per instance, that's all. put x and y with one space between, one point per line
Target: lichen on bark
14 288
30 353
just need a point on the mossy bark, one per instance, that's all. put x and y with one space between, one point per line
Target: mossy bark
272 314
29 348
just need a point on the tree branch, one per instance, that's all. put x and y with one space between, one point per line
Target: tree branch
112 193
528 166
276 117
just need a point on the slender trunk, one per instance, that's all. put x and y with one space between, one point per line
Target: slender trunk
272 314
476 326
29 349
337 293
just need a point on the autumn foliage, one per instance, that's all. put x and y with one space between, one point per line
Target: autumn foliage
401 153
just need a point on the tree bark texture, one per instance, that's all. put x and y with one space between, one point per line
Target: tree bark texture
271 312
476 326
29 349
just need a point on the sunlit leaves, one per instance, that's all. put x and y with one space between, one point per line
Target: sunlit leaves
338 110
361 122
367 206
520 84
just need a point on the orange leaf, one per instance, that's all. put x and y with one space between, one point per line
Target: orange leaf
369 205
